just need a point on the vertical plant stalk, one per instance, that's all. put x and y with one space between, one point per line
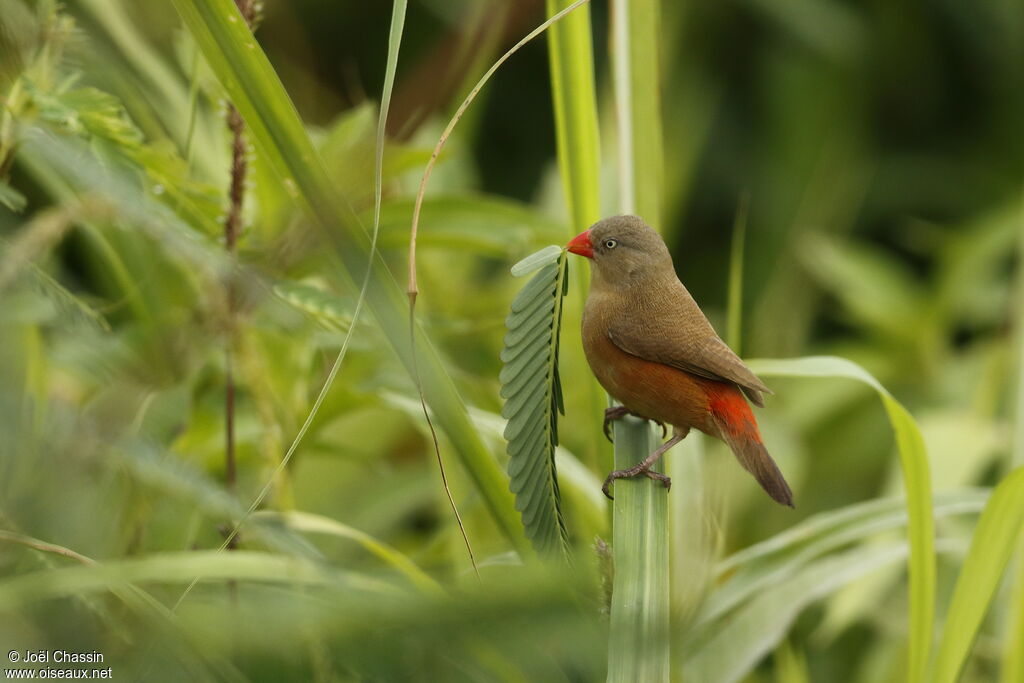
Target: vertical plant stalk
1013 650
577 139
638 648
734 327
232 231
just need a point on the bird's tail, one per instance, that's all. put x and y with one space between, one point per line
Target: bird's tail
738 428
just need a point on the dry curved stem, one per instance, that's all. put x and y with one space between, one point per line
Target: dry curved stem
437 447
42 546
413 288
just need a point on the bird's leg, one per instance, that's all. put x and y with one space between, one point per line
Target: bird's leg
612 414
644 467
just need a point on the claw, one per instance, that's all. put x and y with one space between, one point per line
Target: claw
630 473
658 476
644 467
610 415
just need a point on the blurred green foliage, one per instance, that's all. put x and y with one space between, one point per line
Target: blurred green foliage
881 149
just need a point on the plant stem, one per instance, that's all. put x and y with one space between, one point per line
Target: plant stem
638 648
638 644
232 230
1013 653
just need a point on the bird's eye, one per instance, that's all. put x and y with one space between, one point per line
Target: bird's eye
611 244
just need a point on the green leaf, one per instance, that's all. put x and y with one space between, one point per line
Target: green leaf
322 306
916 481
179 568
733 646
760 567
636 66
992 545
317 524
529 381
876 289
548 255
572 87
11 198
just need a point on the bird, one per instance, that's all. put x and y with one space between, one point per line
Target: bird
654 351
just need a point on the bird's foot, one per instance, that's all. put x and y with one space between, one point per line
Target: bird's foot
612 414
634 471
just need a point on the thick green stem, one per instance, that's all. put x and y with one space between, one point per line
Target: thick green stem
638 646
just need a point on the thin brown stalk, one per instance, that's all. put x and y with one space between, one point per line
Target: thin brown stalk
437 447
232 231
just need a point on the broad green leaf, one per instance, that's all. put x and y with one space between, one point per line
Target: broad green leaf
995 538
916 481
246 74
529 383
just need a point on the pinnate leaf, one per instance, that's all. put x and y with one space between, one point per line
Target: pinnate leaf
530 387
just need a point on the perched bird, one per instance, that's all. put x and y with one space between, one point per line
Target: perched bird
655 352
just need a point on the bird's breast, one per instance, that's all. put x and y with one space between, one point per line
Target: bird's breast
647 388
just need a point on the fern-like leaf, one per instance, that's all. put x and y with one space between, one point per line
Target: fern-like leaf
325 308
533 398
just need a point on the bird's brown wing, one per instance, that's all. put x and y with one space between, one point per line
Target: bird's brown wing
674 331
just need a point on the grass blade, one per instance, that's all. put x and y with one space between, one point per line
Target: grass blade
734 327
318 524
992 545
572 89
177 568
916 481
577 139
1013 653
730 649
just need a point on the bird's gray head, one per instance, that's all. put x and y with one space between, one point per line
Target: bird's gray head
624 250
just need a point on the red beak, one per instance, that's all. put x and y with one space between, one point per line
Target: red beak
581 245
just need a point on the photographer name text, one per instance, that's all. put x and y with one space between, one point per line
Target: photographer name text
57 657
